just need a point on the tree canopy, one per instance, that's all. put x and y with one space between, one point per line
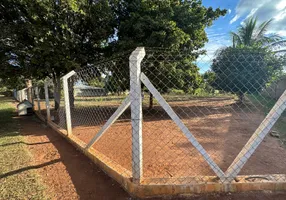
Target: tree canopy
245 69
50 37
42 38
249 64
178 26
175 24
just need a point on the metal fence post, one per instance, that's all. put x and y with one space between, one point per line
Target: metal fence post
47 100
135 60
67 101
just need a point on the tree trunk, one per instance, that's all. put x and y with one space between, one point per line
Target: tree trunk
71 91
240 97
151 101
57 97
57 92
29 90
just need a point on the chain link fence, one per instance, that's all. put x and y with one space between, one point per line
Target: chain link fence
95 93
221 100
174 117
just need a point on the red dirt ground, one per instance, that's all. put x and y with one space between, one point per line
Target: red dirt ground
68 174
220 125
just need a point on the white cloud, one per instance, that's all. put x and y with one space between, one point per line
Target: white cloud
252 12
263 10
236 17
281 5
229 11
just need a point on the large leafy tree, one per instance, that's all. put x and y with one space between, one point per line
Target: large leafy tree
244 69
51 37
250 64
177 25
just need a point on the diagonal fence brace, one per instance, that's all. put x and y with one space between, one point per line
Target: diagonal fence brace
255 140
182 126
125 104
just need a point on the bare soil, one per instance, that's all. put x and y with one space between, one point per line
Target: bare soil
66 172
219 124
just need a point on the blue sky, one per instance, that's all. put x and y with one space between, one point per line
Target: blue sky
238 11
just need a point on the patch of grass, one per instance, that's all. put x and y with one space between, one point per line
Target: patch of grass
16 181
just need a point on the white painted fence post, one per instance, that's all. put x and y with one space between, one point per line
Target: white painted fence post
67 101
47 100
135 60
38 99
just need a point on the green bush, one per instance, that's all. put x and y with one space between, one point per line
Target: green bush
176 91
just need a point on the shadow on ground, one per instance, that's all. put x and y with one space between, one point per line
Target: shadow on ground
64 168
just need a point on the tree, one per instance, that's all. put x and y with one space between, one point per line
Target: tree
250 33
51 37
175 25
209 78
244 69
249 64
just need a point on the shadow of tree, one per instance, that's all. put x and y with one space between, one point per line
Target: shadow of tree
11 173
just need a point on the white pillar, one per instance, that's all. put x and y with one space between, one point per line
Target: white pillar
135 60
47 100
67 101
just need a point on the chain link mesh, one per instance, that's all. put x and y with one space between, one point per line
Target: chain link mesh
206 116
56 102
222 99
95 93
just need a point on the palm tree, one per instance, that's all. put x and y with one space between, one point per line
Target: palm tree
249 33
278 47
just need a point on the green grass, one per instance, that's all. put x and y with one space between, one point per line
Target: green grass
17 181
